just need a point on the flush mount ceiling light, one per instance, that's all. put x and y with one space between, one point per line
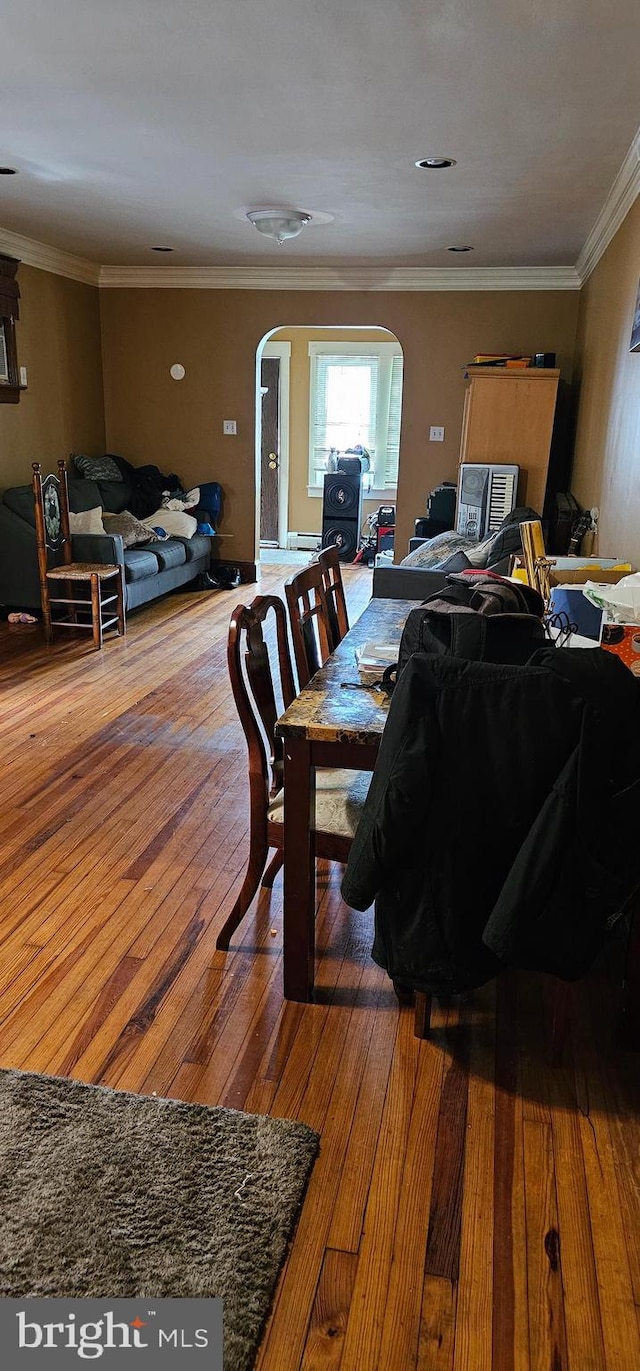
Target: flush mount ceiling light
436 163
463 248
279 224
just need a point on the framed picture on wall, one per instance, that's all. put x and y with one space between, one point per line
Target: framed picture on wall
634 345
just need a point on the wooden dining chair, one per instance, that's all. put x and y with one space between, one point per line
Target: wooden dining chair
340 794
94 609
329 563
309 619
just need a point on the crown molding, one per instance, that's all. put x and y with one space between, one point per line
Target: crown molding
616 206
337 278
46 258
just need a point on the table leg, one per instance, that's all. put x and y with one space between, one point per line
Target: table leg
299 870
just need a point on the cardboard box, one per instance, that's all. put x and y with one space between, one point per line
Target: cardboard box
604 576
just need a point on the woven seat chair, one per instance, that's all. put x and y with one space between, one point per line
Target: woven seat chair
100 603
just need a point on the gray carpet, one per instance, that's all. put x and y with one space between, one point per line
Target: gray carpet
104 1193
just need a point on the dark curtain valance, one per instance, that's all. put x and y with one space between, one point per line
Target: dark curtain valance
9 288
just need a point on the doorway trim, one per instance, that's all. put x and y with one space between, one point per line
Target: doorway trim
282 351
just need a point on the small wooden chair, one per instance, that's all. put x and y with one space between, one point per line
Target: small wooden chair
340 794
53 536
329 563
310 622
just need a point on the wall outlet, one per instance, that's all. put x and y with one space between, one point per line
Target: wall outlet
229 426
23 376
436 434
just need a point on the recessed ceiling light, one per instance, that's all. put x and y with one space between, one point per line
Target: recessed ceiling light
436 163
162 249
8 171
463 248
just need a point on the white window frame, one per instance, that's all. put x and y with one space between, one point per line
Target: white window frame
386 353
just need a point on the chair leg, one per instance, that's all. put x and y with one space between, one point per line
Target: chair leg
46 618
273 868
96 610
422 1015
257 860
122 623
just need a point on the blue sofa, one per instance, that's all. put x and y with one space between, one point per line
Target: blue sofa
149 571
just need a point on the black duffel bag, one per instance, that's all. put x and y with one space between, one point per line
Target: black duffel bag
479 616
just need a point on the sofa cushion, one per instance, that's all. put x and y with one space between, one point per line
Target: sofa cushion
114 495
97 468
86 521
169 554
83 495
139 564
132 530
196 547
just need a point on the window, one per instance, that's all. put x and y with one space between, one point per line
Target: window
356 398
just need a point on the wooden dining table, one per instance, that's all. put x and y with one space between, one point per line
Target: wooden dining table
331 723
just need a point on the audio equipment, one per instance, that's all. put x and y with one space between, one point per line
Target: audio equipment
486 494
342 513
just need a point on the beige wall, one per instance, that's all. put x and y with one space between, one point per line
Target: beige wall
178 425
305 511
62 411
607 453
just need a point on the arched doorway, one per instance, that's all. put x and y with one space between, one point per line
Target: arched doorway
321 391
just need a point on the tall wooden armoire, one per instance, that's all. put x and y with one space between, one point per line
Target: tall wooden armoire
508 417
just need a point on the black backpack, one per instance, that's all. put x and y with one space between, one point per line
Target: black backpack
478 616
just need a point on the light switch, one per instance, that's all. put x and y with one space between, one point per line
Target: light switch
436 434
23 376
229 426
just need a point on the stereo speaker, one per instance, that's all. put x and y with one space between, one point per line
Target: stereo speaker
342 513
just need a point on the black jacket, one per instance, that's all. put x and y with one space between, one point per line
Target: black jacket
502 821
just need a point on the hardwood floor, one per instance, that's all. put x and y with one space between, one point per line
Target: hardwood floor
472 1208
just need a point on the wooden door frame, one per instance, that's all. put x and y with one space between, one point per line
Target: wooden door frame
282 351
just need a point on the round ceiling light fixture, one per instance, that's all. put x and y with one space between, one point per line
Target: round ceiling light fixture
8 171
279 224
436 163
463 248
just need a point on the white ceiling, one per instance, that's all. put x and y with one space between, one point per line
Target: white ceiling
142 122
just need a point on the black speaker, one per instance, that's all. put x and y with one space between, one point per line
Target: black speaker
342 513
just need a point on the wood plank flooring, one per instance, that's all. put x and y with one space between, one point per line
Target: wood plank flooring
472 1208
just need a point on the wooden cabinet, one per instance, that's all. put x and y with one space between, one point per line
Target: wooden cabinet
508 417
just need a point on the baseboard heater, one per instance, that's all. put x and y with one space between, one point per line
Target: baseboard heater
299 542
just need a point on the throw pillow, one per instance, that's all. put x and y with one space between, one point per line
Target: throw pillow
89 521
132 530
437 550
97 468
174 521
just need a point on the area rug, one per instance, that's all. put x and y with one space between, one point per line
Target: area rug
105 1194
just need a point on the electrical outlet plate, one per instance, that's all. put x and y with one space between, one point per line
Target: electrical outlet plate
229 426
436 433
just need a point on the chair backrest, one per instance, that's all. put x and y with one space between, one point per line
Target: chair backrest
309 619
51 500
329 563
253 688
